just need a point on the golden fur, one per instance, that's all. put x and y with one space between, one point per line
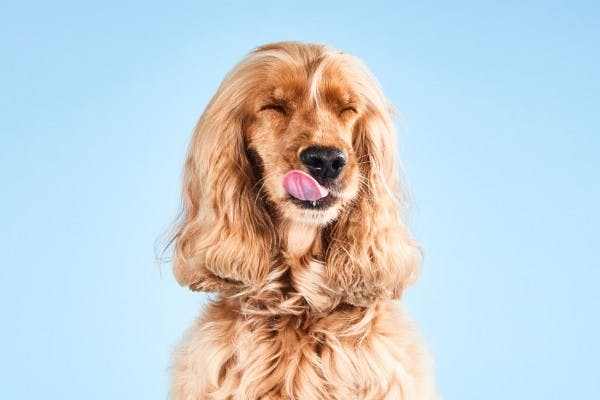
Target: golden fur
304 307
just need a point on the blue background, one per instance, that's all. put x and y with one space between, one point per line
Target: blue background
499 137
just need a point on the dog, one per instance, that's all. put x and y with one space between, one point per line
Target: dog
293 215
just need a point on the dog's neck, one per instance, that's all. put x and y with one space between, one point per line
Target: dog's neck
301 239
303 254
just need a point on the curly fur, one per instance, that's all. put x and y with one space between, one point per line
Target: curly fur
304 297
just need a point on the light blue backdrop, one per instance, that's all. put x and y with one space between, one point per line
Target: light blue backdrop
499 136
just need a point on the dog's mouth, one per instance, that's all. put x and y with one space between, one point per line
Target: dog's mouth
306 192
319 204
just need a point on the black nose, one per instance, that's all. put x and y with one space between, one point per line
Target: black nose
323 162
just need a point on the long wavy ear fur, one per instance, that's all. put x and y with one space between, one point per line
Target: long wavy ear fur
226 234
370 254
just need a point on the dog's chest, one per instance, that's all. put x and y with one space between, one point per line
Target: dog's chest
340 356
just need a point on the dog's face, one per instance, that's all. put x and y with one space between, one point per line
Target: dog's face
303 133
305 120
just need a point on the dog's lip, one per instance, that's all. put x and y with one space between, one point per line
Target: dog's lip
320 204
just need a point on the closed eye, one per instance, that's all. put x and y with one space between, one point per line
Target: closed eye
348 109
274 107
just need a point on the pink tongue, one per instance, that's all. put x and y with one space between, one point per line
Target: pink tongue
303 186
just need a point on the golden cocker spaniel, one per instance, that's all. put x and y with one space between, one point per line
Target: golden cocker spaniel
292 215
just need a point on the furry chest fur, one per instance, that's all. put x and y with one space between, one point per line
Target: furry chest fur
350 353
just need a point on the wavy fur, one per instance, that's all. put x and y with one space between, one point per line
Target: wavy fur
303 309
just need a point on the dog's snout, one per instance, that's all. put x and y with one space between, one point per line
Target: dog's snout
323 162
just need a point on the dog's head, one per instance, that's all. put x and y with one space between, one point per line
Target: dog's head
301 134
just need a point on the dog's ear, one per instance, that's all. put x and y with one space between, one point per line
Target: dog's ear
370 255
225 236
